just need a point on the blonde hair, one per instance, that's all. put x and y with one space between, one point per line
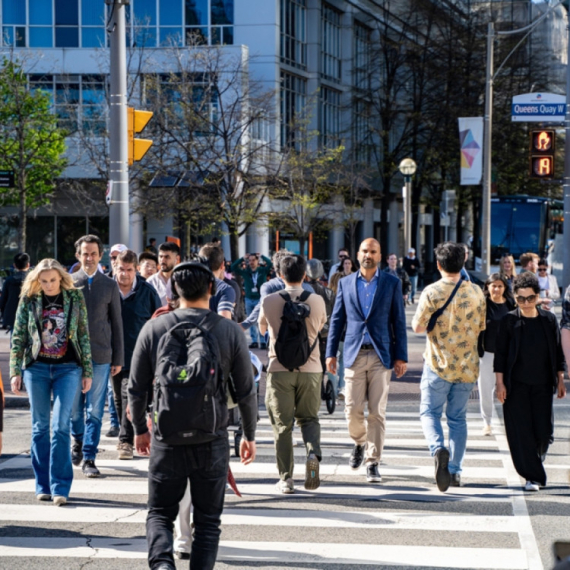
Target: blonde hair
333 285
502 266
32 287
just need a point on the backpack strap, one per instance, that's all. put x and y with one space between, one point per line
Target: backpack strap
285 295
304 296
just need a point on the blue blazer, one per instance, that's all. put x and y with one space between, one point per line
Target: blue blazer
386 322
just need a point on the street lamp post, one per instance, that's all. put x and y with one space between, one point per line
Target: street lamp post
408 168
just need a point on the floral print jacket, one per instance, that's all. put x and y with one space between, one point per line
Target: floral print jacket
26 337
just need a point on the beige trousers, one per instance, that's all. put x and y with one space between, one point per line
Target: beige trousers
367 380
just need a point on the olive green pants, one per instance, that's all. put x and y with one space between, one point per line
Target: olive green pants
294 396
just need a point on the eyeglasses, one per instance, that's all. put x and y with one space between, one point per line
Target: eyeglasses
114 256
530 299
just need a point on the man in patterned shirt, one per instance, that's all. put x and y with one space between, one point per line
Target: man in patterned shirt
451 361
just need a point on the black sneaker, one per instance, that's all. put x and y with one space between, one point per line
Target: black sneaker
263 346
113 432
254 345
372 473
181 555
442 475
356 457
90 469
455 480
77 452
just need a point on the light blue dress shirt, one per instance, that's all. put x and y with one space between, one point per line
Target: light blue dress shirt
366 291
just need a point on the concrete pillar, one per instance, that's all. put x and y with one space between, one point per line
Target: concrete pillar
396 217
336 234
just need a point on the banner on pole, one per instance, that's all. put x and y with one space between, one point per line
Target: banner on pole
471 143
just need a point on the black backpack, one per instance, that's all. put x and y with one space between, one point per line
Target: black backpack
292 346
190 404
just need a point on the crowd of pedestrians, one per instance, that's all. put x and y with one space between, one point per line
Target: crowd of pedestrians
154 333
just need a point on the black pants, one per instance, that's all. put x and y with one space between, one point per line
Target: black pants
120 385
528 423
170 468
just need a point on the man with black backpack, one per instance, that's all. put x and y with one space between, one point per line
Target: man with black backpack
294 318
191 354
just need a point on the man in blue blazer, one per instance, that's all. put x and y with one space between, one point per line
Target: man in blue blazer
370 305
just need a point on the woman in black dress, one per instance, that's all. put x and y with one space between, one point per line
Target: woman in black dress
529 368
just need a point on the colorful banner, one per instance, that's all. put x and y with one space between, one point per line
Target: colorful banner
471 142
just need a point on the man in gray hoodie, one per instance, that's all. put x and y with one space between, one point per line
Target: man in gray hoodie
106 334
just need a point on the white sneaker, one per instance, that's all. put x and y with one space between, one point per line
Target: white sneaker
59 500
487 430
286 487
341 395
531 487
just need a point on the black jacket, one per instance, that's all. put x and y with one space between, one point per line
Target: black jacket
136 310
11 297
488 338
511 328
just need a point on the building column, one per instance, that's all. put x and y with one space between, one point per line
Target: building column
336 234
396 216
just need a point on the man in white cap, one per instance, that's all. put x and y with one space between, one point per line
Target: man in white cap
113 254
412 267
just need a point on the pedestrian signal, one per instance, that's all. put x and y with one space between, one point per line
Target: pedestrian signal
136 122
542 153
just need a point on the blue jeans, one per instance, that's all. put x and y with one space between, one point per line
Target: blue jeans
250 304
435 394
51 460
115 421
414 282
87 414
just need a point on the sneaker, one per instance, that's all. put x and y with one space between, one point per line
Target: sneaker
487 430
90 469
372 473
125 450
286 487
341 395
77 452
263 346
531 487
43 497
113 432
442 475
455 480
181 555
356 457
312 480
59 501
254 345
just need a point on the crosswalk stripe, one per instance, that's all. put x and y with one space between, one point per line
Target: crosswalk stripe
298 552
44 513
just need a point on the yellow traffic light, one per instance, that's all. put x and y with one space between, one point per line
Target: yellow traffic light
542 153
136 122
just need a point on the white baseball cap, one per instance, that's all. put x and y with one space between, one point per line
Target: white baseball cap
120 247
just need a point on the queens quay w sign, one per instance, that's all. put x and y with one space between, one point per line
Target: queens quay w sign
539 108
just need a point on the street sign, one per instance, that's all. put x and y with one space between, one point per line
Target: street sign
539 108
6 179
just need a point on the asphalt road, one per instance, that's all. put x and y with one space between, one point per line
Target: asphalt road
347 523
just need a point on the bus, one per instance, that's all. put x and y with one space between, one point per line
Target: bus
525 223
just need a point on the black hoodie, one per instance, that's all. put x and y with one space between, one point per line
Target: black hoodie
11 297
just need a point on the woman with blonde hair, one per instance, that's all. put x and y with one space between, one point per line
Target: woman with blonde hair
507 269
50 345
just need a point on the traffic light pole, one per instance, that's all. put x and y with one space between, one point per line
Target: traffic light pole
118 151
566 186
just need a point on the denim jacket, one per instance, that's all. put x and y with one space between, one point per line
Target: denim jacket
26 338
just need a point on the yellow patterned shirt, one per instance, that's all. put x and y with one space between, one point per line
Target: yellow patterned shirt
451 347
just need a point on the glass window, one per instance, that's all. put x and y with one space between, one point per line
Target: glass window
171 36
43 83
41 37
196 36
20 36
294 32
8 35
93 37
362 54
92 12
66 13
66 37
228 35
196 12
222 12
145 12
14 12
293 102
330 43
170 12
40 237
40 12
145 36
330 118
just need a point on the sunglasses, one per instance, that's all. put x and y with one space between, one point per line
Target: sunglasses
542 268
521 300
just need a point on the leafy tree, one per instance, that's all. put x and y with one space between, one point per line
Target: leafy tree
31 144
